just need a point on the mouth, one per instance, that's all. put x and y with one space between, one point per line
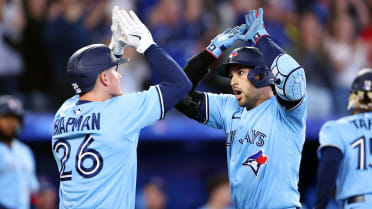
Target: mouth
237 93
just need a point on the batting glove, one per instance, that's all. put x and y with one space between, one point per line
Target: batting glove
255 25
136 33
117 45
225 40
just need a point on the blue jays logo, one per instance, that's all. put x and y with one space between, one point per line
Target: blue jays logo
255 161
233 54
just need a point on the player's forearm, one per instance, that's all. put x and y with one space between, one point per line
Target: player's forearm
290 81
193 105
269 49
198 66
174 83
327 175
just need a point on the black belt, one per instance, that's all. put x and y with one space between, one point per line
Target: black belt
354 199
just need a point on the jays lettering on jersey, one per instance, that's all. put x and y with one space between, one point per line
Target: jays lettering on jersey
352 135
95 146
264 148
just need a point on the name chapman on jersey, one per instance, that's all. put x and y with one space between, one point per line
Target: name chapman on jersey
82 123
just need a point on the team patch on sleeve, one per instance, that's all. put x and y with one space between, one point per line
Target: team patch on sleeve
255 161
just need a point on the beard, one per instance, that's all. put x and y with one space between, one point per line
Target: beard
8 137
249 101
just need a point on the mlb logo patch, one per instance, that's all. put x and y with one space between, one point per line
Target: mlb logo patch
256 36
255 161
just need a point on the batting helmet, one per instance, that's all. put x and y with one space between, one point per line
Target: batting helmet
361 90
11 106
252 58
86 63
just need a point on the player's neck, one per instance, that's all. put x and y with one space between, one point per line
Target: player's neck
7 142
357 111
95 96
265 94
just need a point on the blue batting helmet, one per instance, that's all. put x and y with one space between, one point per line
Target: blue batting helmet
86 63
252 58
11 106
363 81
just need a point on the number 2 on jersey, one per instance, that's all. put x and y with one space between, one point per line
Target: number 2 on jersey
82 154
360 143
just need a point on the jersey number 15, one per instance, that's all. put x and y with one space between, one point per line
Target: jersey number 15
361 145
84 153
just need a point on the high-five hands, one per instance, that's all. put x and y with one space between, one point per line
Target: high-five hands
255 25
225 40
134 32
117 43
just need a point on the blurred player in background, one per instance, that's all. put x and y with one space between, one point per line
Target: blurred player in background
265 128
153 195
95 134
346 151
18 180
219 193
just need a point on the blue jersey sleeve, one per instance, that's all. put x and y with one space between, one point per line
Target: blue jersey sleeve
137 110
217 107
329 136
295 118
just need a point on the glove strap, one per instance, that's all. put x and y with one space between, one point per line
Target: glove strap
214 50
144 45
259 34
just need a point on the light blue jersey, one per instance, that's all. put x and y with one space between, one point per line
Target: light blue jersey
17 175
264 148
352 135
95 146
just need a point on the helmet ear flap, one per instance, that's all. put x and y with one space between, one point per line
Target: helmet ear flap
261 76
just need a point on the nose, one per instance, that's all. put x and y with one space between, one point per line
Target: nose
233 81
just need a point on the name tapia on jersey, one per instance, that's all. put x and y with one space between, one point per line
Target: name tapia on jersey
71 124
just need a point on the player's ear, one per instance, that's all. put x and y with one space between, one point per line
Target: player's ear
104 78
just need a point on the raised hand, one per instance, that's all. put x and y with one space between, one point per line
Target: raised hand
225 40
135 32
117 45
255 25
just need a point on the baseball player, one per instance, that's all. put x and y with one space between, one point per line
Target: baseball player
265 128
346 151
18 180
95 133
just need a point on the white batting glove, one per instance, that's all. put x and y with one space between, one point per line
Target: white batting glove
136 33
117 44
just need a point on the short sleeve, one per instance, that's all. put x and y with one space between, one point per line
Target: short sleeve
218 106
329 136
295 117
137 110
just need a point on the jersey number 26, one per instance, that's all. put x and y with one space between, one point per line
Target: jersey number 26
83 153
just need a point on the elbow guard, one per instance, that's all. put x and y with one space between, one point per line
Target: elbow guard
289 77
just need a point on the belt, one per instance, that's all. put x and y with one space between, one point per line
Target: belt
355 199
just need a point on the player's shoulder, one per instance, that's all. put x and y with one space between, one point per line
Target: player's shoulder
22 149
134 97
68 104
338 124
228 101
